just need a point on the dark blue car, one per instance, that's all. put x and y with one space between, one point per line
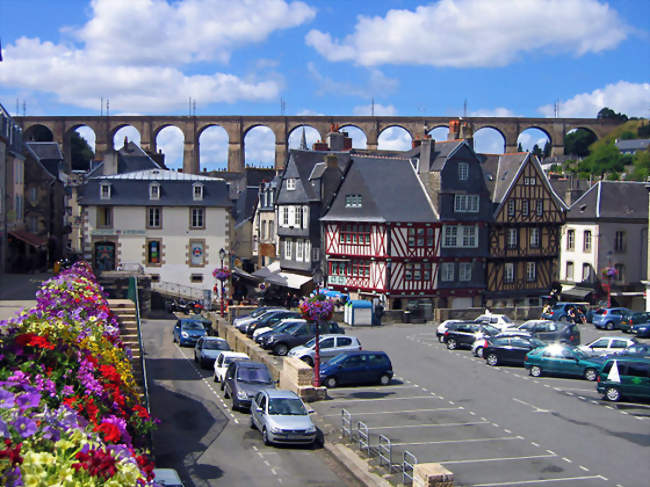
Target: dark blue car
188 331
358 367
640 324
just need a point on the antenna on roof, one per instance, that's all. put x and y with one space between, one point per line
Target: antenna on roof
17 106
283 106
101 107
465 108
108 107
24 108
372 106
556 108
194 107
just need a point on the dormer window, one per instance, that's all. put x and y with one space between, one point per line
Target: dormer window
291 184
154 191
197 191
104 191
353 201
463 171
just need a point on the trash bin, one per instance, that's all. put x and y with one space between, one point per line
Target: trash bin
406 316
427 310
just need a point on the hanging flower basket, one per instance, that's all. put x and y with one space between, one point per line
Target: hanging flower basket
221 273
609 272
317 308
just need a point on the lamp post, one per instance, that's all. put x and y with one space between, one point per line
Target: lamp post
222 256
318 277
609 279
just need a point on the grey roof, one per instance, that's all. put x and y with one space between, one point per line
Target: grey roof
633 144
442 151
570 187
507 170
390 191
132 189
50 167
620 200
246 203
130 158
318 171
46 150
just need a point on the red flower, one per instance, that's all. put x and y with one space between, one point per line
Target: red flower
97 463
146 465
110 432
141 412
12 453
110 373
24 339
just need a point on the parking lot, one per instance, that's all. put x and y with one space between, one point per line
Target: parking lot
491 426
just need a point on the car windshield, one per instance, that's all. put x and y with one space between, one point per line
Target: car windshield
287 406
639 348
216 345
193 325
256 375
338 359
311 343
489 329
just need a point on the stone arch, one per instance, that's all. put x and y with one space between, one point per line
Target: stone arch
170 139
38 132
358 135
392 137
582 127
213 142
312 135
263 148
119 131
439 132
533 132
486 142
88 133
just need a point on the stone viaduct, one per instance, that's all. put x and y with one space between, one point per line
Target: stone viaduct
237 127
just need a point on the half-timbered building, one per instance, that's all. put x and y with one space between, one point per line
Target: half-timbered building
524 234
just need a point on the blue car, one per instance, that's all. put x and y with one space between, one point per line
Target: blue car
187 331
610 318
640 324
560 311
358 367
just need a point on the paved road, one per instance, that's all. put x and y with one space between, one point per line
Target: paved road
207 442
495 426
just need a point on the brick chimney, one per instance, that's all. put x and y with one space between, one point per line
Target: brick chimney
454 129
331 161
110 163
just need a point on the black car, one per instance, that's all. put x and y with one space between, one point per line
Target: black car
243 380
510 350
270 319
281 342
552 331
463 335
276 328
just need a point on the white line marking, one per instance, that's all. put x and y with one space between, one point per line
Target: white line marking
521 482
534 444
255 448
483 419
471 440
478 460
266 462
624 412
378 399
338 415
452 403
536 409
506 430
495 425
547 385
425 425
274 471
472 413
584 468
568 460
551 452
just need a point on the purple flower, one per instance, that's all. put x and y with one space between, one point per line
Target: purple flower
7 399
25 426
4 431
28 400
67 391
19 377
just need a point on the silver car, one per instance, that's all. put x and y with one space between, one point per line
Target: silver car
242 321
330 346
282 417
207 349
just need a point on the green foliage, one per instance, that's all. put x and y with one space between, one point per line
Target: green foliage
627 135
643 131
537 151
640 166
613 176
609 114
80 152
603 159
577 142
547 149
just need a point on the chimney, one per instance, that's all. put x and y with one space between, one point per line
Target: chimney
426 149
454 129
126 142
335 141
110 163
467 133
331 161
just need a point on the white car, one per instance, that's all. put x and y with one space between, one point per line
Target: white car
259 331
498 321
608 345
223 361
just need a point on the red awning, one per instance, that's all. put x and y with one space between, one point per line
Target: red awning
29 238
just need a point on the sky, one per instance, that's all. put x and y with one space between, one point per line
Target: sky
316 57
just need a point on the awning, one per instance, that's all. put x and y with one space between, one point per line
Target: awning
577 291
29 238
243 274
264 272
273 275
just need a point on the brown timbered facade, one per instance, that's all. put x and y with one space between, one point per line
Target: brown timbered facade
524 237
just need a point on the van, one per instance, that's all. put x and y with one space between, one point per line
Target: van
360 367
624 377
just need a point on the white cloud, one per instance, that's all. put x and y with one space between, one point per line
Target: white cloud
130 132
394 138
88 134
133 52
380 110
213 148
260 147
309 112
632 99
531 137
471 33
170 142
493 112
488 141
377 83
311 136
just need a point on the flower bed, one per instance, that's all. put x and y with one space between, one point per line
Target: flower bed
317 308
69 411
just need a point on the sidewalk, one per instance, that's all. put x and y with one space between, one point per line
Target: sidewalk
18 291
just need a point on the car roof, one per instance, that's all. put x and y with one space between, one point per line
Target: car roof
229 353
213 339
281 393
330 335
628 358
252 365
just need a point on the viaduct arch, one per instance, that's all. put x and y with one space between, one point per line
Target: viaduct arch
237 126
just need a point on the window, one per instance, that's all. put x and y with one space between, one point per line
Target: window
619 241
466 203
570 239
540 207
408 272
356 234
450 233
104 191
420 237
465 271
524 207
297 217
263 230
586 272
196 218
513 238
197 253
285 216
586 241
569 271
511 207
509 272
196 278
197 191
154 191
291 184
529 181
271 193
620 275
33 194
426 271
447 271
463 171
534 238
468 236
531 271
153 217
353 201
287 249
19 207
300 250
153 252
104 217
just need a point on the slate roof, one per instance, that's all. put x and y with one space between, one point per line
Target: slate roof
441 151
390 191
51 167
132 189
562 185
619 200
633 144
129 158
46 150
246 203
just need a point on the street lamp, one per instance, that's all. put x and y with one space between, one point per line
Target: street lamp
609 279
222 256
317 277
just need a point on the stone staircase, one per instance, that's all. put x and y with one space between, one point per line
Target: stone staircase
124 310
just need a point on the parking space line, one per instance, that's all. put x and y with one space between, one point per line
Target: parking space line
402 411
426 425
480 460
568 460
551 452
583 468
471 440
539 481
534 444
330 401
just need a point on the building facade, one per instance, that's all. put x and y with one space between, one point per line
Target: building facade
265 237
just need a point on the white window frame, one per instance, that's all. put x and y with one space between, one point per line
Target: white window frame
288 244
460 236
534 238
466 203
447 271
531 271
586 272
307 251
197 215
569 275
586 241
509 272
463 171
511 208
525 207
571 239
297 217
465 271
291 184
197 192
450 236
104 191
540 207
469 236
153 213
285 216
300 246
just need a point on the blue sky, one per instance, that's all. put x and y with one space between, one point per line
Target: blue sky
505 57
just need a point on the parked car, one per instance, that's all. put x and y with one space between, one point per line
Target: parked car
442 328
624 377
481 342
242 320
607 345
207 349
559 359
463 335
560 311
274 326
277 327
269 319
510 350
610 318
362 367
281 342
329 346
177 305
223 361
188 331
637 321
243 380
552 331
282 417
642 330
639 349
167 477
499 321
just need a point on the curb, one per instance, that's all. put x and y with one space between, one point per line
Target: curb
355 465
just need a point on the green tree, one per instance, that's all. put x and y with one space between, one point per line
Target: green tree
519 147
537 151
640 166
577 143
605 158
547 149
609 114
627 135
80 152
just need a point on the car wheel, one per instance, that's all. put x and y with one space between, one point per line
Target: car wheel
280 349
451 344
308 360
609 325
439 338
535 371
265 437
216 379
331 382
591 374
479 352
235 404
196 359
612 394
492 359
384 379
226 394
251 423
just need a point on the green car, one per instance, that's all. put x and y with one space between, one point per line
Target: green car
559 359
630 378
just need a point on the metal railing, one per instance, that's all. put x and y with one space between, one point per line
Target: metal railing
346 424
408 464
384 451
363 436
145 385
179 290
